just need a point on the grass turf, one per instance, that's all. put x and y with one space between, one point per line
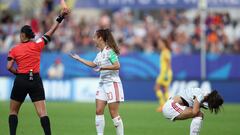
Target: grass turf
139 118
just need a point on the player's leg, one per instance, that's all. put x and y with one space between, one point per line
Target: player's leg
37 95
101 102
167 85
115 96
41 110
172 110
18 96
13 116
196 122
160 96
99 119
117 121
40 107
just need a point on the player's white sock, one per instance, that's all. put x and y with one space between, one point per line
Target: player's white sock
117 121
100 124
196 126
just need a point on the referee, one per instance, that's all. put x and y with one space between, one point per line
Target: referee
28 81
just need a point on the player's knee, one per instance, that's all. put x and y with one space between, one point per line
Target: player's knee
113 113
41 113
199 114
99 111
13 112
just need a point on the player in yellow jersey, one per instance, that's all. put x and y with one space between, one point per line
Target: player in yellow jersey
165 77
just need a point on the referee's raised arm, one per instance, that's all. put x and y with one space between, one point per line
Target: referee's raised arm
27 55
47 36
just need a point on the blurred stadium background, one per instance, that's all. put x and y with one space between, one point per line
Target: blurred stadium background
205 41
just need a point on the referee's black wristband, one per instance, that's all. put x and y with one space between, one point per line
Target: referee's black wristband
60 18
46 39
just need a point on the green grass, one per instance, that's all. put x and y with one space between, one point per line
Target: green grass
139 119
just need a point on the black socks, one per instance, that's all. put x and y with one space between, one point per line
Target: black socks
13 122
45 122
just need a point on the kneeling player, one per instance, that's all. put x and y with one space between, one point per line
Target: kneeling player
187 105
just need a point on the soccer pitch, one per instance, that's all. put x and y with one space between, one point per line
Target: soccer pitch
140 118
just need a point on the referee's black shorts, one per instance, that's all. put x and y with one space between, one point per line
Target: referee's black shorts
23 86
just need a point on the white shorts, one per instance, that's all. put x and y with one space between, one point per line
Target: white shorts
171 109
110 92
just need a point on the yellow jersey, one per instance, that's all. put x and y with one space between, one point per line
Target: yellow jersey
165 76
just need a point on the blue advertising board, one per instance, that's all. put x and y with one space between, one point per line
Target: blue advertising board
144 66
143 90
84 89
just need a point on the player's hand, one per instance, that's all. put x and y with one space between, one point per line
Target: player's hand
97 69
63 14
75 56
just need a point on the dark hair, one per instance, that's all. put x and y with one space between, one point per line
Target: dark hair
108 38
167 44
26 29
214 101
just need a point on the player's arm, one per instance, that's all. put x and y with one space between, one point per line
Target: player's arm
10 67
114 60
190 112
85 62
168 64
165 61
10 63
196 106
114 66
168 61
46 38
197 100
59 19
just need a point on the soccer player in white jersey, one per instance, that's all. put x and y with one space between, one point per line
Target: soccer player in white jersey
110 91
187 105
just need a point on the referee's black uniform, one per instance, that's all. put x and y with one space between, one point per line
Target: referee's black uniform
28 80
27 56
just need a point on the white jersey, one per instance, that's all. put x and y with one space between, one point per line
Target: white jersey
188 94
107 57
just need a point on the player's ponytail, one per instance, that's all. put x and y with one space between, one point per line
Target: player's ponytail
111 42
163 43
108 38
167 44
214 101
